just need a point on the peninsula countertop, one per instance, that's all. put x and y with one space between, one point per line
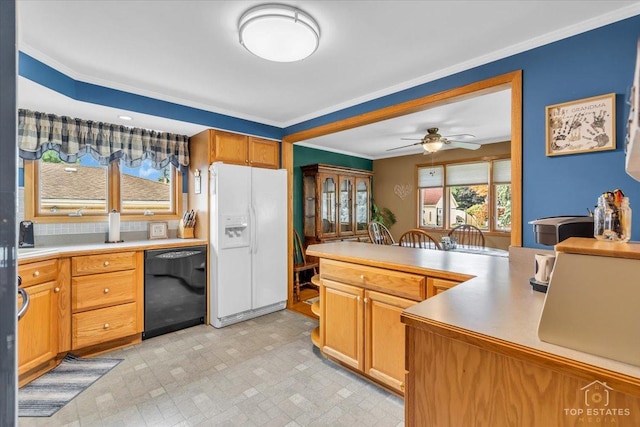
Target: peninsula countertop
496 305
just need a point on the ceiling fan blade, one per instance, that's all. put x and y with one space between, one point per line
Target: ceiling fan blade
405 146
465 136
462 144
412 139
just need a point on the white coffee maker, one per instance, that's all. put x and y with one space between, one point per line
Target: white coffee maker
550 231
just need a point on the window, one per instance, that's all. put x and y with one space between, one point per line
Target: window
477 193
57 192
144 189
71 188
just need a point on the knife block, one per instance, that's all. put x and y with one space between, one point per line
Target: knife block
185 232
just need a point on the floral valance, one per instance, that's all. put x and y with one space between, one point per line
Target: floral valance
73 138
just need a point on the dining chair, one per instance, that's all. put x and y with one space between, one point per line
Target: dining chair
467 235
379 234
417 238
301 265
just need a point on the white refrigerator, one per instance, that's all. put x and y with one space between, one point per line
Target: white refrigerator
248 242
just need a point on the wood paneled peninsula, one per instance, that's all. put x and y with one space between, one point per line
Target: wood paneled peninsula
473 356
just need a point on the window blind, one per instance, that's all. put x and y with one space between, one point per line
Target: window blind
502 171
431 177
468 174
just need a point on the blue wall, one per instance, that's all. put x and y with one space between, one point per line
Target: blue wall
593 63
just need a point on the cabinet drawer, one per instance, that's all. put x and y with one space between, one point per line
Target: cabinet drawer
104 324
92 264
101 290
436 286
38 272
393 282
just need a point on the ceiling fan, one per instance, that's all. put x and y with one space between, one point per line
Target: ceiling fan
433 141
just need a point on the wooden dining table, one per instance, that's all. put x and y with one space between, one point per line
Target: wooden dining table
481 250
478 250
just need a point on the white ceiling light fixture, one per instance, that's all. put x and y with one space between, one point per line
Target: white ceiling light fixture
432 146
279 33
123 117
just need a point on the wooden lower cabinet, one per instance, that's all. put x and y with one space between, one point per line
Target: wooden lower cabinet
43 331
384 338
107 301
38 329
342 326
362 329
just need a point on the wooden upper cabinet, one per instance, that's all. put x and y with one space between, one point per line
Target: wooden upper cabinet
263 153
240 149
229 148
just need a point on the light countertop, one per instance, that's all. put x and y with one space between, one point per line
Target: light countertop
497 302
31 254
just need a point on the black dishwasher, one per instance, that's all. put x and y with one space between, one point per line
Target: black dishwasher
175 296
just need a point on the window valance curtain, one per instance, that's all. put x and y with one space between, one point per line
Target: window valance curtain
73 138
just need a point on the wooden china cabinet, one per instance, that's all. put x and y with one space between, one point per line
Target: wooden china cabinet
337 203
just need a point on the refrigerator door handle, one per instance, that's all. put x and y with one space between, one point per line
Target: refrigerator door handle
254 230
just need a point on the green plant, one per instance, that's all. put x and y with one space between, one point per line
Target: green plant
383 215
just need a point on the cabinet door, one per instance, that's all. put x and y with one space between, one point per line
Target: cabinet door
264 153
362 203
309 209
345 206
38 329
384 338
342 322
229 148
328 205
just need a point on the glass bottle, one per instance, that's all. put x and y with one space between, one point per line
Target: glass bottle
624 214
602 219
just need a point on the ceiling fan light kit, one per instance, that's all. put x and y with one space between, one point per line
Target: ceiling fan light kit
432 146
432 142
279 33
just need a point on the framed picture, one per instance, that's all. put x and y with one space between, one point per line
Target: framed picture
581 126
158 230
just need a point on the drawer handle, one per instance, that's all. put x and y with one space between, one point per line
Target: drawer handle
366 300
106 326
362 277
106 290
106 263
56 290
36 273
358 299
402 386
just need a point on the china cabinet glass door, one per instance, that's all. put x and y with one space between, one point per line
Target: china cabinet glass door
346 205
328 206
362 204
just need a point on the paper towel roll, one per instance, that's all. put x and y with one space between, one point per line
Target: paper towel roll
114 226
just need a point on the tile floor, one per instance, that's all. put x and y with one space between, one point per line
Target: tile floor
262 372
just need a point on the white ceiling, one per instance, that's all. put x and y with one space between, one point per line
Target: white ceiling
188 52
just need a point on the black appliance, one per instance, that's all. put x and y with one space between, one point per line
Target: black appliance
175 296
25 238
555 229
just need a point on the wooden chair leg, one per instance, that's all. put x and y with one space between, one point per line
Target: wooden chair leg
296 287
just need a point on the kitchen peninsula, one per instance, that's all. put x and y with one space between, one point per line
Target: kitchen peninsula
473 356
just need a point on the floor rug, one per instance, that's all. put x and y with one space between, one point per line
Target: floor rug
44 396
310 301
